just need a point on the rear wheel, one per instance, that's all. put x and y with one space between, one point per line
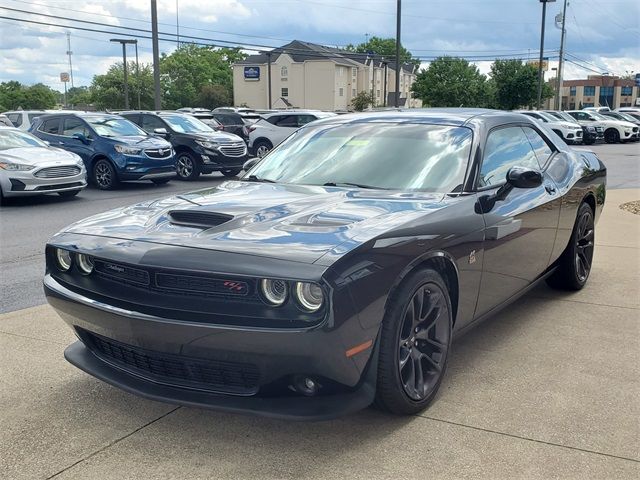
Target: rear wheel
187 167
104 175
574 266
414 344
69 193
611 136
262 147
232 172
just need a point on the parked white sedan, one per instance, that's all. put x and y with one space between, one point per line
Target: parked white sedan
29 166
569 132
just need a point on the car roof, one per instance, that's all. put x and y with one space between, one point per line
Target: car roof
446 116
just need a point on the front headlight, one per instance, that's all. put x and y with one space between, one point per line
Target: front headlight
16 166
274 291
63 259
309 295
209 145
127 150
591 129
85 263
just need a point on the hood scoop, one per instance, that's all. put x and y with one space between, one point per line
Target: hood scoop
198 218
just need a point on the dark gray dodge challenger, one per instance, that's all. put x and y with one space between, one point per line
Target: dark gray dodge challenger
335 273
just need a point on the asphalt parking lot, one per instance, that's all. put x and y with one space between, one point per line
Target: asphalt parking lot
549 388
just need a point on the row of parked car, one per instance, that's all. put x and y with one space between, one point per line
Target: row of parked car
591 125
109 148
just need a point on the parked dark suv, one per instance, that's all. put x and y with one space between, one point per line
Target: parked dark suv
199 149
113 149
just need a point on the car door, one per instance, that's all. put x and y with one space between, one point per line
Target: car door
520 230
149 123
49 130
72 126
286 125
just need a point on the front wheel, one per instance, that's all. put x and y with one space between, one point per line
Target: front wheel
232 172
187 167
414 344
574 266
262 147
104 175
612 136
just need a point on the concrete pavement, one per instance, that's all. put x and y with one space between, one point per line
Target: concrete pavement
550 388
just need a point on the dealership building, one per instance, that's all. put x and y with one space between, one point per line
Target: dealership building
311 76
599 91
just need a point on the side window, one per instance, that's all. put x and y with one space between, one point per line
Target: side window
505 148
50 126
16 119
287 121
540 146
304 119
150 123
74 125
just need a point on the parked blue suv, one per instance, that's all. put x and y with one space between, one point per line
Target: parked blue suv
113 149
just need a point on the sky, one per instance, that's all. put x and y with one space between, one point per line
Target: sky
602 35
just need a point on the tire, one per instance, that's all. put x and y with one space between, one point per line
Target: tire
3 199
574 266
69 193
104 175
161 181
187 167
611 136
262 147
413 352
231 172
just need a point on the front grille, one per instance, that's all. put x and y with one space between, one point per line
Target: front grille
57 172
122 272
191 283
176 370
238 149
191 218
159 153
56 187
600 129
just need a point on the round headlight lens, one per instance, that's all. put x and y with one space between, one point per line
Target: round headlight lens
85 264
63 259
309 295
274 291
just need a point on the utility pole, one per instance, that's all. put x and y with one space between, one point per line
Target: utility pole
540 74
156 55
386 65
69 52
124 42
398 63
177 24
138 75
561 60
269 76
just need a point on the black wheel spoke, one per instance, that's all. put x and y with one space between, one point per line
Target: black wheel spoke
435 364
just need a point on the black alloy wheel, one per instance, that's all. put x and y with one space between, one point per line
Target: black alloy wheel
187 167
232 172
415 342
104 175
574 266
611 136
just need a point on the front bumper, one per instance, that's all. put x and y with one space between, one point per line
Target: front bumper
348 384
15 183
142 167
213 160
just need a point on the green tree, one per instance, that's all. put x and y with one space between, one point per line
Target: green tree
362 101
213 96
385 47
516 84
79 97
14 95
451 82
107 91
191 67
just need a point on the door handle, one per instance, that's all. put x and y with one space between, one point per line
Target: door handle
550 189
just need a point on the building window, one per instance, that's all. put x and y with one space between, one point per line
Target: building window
378 93
341 92
572 91
588 104
626 90
353 92
284 71
589 91
340 71
284 92
354 72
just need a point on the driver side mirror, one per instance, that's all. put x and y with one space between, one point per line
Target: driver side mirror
80 137
517 177
251 163
160 131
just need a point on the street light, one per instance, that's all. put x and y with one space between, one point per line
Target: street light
124 42
544 14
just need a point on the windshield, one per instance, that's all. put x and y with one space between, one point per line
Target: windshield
15 139
598 116
114 127
547 116
430 158
566 116
185 124
626 117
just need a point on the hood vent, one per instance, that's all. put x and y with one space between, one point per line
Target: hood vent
197 218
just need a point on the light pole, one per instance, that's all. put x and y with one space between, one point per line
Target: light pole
544 15
156 55
138 75
561 60
398 63
124 42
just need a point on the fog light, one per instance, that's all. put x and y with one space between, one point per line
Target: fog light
305 385
63 259
309 295
85 264
274 291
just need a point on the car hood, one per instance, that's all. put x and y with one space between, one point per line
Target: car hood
217 136
142 141
39 155
293 222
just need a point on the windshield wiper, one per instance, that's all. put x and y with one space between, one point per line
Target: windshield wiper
253 178
349 184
